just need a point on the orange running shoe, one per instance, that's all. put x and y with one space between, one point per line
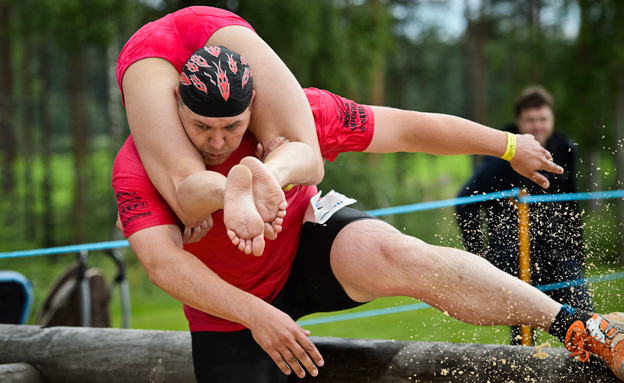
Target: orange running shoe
603 336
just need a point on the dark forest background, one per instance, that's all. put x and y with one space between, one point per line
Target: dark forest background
62 121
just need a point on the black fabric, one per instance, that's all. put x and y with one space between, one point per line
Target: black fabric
555 228
232 357
311 286
12 302
216 82
564 319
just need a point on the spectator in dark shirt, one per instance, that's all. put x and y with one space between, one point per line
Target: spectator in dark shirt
555 227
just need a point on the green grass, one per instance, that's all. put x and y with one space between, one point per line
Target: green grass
155 310
429 180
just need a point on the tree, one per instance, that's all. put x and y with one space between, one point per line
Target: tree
618 90
8 143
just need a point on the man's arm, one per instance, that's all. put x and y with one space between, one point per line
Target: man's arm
407 131
184 277
280 109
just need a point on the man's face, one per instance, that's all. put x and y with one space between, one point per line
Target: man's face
216 138
538 122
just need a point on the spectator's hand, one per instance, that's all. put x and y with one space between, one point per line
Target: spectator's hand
194 234
530 157
262 154
286 342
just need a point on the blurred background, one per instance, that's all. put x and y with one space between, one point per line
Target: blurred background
62 120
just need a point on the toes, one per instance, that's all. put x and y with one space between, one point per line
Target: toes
269 232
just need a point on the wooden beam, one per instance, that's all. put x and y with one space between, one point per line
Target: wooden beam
75 354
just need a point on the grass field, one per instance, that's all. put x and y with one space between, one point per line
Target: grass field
153 309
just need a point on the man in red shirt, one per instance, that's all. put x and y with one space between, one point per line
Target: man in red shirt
242 308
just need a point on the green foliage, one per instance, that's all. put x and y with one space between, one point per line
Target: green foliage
20 234
331 45
342 46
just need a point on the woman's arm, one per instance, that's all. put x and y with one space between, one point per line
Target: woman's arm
280 110
167 154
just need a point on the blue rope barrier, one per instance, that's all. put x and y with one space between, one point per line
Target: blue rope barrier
363 314
576 282
492 196
378 212
572 196
389 211
420 306
66 249
443 203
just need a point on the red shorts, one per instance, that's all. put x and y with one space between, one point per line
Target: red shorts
175 37
341 124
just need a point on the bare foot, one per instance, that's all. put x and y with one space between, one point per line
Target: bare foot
244 225
268 196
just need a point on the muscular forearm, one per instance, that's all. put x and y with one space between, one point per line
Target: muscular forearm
407 131
441 134
187 279
184 277
444 134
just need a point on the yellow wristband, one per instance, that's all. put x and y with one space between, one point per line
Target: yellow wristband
287 188
511 147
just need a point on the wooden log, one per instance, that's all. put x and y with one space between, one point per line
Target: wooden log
74 354
376 361
78 354
19 373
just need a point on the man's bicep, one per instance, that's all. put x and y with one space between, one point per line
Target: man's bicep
152 245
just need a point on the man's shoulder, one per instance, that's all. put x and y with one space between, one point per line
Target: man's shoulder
563 147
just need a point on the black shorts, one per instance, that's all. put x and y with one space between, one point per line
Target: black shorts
311 287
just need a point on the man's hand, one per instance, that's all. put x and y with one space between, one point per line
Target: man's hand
530 157
286 342
194 234
262 154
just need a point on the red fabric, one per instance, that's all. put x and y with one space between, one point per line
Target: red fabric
138 202
175 36
341 124
261 276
